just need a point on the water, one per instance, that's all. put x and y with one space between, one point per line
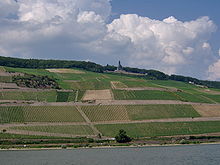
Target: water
175 155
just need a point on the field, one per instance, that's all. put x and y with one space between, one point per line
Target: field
144 112
23 114
144 95
5 79
97 95
60 129
160 129
66 96
208 110
105 113
65 71
47 96
138 112
83 118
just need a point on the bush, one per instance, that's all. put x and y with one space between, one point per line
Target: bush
122 137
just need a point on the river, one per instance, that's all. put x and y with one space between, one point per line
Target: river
163 155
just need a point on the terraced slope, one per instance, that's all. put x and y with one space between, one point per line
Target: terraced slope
39 114
82 130
161 129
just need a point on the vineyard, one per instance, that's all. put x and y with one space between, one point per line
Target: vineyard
82 130
144 95
144 112
160 129
47 96
106 113
66 96
5 79
39 114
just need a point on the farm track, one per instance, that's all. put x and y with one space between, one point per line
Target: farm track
98 102
95 130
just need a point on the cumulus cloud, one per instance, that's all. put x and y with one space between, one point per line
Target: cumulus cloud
214 71
79 30
169 45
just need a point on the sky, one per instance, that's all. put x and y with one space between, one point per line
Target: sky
173 36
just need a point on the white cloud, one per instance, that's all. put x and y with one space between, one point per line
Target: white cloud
214 71
168 45
76 29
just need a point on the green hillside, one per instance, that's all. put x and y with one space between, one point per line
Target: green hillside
74 102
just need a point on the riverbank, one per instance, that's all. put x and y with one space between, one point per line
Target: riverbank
102 145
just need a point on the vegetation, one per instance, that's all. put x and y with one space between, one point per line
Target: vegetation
47 96
137 112
60 129
33 81
144 95
5 79
144 112
11 114
105 112
161 129
65 96
122 137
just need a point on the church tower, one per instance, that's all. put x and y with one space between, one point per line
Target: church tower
120 68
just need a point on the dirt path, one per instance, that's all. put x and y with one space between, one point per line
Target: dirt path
95 130
162 120
141 102
98 102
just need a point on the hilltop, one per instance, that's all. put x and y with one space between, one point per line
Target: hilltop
46 100
90 66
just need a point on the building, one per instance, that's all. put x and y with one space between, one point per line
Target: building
119 68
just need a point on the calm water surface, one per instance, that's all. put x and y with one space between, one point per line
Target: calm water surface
175 155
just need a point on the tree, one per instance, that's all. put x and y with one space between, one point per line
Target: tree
122 137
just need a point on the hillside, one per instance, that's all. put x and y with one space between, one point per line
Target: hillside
73 103
90 66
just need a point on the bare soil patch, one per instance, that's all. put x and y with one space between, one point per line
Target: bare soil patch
210 91
65 71
98 95
208 110
117 85
8 85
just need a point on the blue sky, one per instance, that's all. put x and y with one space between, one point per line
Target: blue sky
173 36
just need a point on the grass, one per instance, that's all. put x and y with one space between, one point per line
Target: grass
63 96
138 83
67 129
160 129
18 136
144 112
39 114
144 95
192 97
216 98
105 112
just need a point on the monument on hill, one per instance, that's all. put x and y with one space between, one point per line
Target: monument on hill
119 68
